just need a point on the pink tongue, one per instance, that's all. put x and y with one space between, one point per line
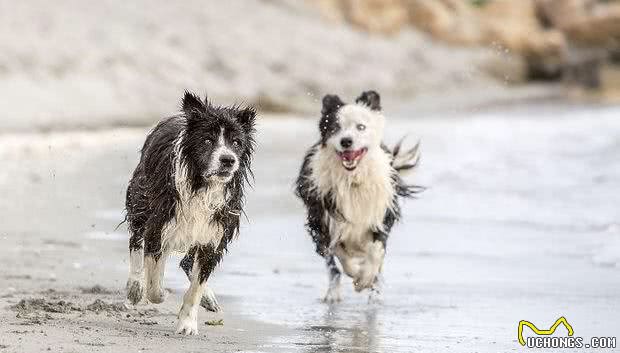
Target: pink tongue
349 155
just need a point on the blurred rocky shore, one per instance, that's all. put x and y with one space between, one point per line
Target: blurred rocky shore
75 64
556 39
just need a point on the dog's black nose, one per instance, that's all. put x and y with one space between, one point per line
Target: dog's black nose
227 160
346 142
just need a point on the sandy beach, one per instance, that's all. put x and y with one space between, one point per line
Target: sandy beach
516 224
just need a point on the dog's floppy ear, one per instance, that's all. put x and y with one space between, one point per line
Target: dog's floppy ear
370 99
192 103
331 103
246 118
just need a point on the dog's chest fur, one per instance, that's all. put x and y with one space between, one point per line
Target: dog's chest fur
193 222
362 197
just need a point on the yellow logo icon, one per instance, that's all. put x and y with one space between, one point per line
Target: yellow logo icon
550 331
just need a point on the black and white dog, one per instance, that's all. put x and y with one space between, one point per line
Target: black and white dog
186 195
350 184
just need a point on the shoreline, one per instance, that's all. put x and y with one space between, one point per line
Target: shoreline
495 97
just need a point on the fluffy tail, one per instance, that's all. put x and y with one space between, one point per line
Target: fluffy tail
404 161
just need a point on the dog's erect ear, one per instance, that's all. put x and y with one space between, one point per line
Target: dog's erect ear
331 103
246 118
370 99
192 103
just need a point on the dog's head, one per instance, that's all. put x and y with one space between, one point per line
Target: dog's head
352 130
218 141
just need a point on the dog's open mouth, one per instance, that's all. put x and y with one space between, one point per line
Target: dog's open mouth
351 158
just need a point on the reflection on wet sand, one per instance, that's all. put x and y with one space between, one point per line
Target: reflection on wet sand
339 332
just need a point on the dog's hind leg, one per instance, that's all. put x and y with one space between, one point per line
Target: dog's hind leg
208 300
333 292
207 257
135 282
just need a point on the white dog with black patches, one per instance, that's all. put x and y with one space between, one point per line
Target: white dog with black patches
350 184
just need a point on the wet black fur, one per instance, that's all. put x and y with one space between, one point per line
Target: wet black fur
152 196
317 206
328 125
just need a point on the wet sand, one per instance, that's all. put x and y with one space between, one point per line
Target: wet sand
520 222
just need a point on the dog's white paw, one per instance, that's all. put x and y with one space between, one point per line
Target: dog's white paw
332 296
187 325
156 296
209 301
135 291
362 283
365 279
370 267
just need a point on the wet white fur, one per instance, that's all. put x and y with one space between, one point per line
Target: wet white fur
136 274
155 278
136 265
188 315
192 222
362 195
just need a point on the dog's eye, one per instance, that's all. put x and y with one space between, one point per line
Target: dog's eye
209 142
361 127
236 143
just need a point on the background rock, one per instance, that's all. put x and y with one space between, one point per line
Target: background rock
585 22
542 32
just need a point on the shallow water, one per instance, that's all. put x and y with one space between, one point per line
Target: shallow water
520 222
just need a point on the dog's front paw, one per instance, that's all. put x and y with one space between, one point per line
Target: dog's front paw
332 296
187 326
359 284
135 291
156 296
365 278
209 301
375 297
